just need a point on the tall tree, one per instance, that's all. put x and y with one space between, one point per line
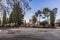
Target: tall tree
46 12
53 17
23 3
4 17
8 5
38 14
16 15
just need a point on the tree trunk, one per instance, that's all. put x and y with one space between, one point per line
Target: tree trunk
52 20
39 21
47 21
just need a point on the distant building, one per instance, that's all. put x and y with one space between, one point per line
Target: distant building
30 22
57 23
24 22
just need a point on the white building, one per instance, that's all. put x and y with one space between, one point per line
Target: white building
57 22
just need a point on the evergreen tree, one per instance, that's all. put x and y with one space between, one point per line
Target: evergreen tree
16 15
4 17
53 17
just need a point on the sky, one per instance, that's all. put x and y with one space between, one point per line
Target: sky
39 5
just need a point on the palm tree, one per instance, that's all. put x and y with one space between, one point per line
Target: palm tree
53 17
38 15
46 12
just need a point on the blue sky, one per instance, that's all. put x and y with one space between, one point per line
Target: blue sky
40 4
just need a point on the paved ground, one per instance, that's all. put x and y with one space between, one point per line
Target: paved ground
30 34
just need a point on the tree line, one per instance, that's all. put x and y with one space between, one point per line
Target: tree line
16 11
46 13
16 16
